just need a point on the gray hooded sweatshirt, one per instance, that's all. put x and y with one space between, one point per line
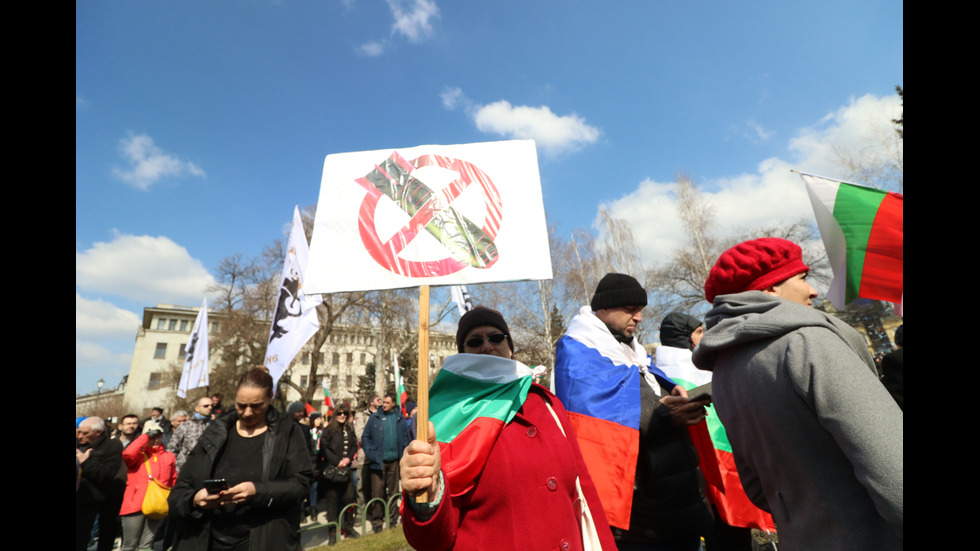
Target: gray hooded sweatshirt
817 439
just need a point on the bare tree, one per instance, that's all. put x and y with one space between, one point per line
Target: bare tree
878 162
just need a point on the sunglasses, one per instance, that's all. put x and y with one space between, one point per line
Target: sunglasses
339 413
476 342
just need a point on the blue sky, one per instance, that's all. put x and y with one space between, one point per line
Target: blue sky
198 125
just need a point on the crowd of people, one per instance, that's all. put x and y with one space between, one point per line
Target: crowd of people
311 469
607 458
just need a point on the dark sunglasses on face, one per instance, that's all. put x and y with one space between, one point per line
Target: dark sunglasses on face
476 342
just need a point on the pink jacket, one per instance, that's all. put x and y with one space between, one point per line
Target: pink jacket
525 498
162 466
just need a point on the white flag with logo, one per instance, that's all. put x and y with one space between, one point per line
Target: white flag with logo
429 215
462 299
195 372
295 319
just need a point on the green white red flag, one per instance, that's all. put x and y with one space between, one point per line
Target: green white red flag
327 399
473 397
863 231
724 486
400 385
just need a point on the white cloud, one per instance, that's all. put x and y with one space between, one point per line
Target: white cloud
453 97
554 134
142 268
148 163
101 319
769 195
371 49
413 18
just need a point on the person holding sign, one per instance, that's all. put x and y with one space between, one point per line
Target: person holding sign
501 463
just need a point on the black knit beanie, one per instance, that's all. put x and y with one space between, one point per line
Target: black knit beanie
477 317
615 290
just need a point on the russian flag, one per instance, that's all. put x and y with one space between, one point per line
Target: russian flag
601 393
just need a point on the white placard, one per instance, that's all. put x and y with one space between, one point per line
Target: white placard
429 215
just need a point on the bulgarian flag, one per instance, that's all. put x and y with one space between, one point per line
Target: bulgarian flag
862 229
473 397
725 489
400 385
600 389
327 400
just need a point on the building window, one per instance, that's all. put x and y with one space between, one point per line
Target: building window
306 358
173 325
161 324
182 353
214 327
349 381
335 359
156 381
183 325
363 358
303 380
333 381
350 357
161 351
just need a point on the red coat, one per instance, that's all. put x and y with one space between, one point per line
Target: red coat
162 466
525 498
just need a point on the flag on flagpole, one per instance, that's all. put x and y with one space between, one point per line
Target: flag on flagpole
195 373
863 231
724 490
462 298
327 399
295 319
472 399
400 385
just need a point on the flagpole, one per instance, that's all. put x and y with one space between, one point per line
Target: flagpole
801 173
422 418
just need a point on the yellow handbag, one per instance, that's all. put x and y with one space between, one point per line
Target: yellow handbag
155 501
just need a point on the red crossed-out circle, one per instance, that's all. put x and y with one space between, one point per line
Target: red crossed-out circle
387 253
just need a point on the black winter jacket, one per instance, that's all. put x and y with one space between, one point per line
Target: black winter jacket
287 472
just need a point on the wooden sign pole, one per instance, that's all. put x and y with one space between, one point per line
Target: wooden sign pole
422 417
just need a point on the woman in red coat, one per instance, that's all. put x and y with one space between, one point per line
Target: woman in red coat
528 490
146 451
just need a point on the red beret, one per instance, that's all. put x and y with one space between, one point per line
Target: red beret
753 266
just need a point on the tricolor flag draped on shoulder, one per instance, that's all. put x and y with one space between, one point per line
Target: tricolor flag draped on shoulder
473 397
195 372
863 231
295 319
429 215
724 486
600 389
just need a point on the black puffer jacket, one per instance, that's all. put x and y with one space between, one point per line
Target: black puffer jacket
668 500
286 475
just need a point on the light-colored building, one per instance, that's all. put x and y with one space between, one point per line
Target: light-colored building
158 357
